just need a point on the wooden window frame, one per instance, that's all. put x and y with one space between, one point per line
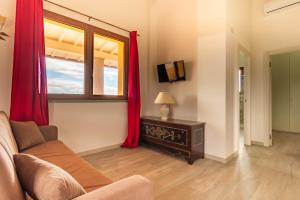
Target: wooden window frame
89 31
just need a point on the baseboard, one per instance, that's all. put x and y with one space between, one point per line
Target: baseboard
220 159
98 150
258 143
290 132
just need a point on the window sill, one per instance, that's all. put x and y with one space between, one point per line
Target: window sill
81 98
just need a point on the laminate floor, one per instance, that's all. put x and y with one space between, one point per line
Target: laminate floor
258 173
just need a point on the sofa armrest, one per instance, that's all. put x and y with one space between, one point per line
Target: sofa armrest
131 188
49 132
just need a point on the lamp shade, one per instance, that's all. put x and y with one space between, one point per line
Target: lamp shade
164 98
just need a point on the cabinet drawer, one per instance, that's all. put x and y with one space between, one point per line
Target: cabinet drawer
166 134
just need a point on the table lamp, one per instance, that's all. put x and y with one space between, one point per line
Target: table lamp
164 99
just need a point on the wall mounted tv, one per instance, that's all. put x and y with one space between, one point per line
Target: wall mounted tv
171 72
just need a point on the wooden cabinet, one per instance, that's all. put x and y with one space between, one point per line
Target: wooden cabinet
180 136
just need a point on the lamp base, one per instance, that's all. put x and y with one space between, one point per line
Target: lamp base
164 112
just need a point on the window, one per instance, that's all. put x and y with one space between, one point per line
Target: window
108 66
84 62
64 58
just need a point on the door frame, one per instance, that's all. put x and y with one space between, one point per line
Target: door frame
268 141
247 93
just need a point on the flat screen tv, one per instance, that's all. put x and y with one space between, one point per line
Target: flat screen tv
171 72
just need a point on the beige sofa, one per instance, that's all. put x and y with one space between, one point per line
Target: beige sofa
96 184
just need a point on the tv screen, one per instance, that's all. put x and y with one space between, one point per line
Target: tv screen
171 72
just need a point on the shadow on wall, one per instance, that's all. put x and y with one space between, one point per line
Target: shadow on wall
190 70
190 103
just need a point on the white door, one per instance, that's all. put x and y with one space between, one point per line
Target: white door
286 92
295 92
280 92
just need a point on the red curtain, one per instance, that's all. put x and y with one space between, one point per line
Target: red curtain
29 82
134 98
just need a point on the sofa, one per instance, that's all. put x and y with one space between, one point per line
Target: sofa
98 186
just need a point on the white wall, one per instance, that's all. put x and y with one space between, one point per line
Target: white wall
86 126
173 36
212 74
7 9
238 36
277 32
89 126
206 35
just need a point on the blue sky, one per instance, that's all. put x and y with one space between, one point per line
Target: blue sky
67 77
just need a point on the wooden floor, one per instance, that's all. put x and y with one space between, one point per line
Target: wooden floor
258 173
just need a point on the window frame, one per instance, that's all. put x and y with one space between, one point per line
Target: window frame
89 31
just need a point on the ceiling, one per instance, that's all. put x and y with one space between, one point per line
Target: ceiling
66 42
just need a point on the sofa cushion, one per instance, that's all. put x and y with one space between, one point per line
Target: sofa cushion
9 184
59 154
49 132
27 134
7 137
43 180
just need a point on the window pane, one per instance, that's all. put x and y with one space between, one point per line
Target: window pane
64 47
108 66
64 77
110 81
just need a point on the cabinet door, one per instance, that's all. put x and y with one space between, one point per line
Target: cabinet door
281 92
295 92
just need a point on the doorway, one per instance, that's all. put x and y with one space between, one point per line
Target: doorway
243 99
242 104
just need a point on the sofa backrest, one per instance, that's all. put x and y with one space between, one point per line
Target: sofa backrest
9 184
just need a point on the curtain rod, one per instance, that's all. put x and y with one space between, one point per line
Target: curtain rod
88 16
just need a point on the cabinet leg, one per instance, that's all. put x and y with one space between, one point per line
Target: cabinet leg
190 161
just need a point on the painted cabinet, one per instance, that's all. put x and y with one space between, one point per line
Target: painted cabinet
286 92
